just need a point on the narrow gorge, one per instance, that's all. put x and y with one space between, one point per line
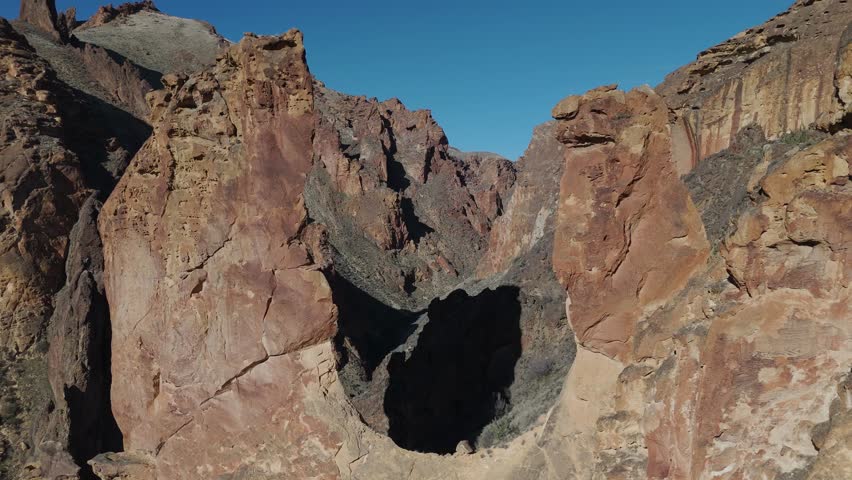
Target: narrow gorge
214 266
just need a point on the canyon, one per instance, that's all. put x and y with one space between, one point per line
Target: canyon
213 266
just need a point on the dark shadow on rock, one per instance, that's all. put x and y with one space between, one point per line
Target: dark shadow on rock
104 138
456 380
369 326
153 77
92 426
79 359
416 229
397 181
397 178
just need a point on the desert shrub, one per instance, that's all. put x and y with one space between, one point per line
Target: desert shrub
541 366
497 432
9 410
802 138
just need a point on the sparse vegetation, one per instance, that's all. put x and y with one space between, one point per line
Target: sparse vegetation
497 432
802 138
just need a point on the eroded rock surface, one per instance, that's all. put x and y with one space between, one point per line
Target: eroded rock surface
225 293
782 76
407 219
747 348
42 190
628 235
306 284
42 15
63 144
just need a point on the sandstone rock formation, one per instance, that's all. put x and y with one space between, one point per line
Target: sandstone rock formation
71 116
733 334
42 15
41 192
709 343
291 282
431 210
225 294
627 235
781 76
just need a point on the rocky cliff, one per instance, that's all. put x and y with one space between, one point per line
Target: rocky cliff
713 355
786 75
73 116
290 282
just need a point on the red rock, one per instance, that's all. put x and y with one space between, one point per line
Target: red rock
210 216
53 402
529 216
780 76
123 82
705 350
620 201
749 349
392 193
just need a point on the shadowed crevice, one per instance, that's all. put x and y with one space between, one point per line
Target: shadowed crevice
368 328
456 380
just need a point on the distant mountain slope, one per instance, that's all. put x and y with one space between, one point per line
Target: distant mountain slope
156 41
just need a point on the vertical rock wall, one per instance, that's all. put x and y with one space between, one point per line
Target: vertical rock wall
212 285
781 76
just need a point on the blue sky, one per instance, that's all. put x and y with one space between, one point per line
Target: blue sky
489 71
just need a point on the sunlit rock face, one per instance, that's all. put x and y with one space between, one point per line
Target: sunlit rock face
627 235
782 76
211 280
308 284
726 362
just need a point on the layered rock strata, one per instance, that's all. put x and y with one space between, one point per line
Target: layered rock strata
789 74
305 284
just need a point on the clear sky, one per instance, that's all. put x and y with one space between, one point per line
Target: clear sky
489 71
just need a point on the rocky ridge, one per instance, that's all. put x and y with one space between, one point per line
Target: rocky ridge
782 76
485 320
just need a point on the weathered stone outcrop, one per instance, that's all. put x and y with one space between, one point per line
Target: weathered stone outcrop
733 369
42 14
122 81
94 71
407 218
628 235
306 284
61 146
36 221
529 215
789 74
108 13
42 189
216 325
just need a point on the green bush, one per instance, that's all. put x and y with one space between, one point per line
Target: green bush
801 138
